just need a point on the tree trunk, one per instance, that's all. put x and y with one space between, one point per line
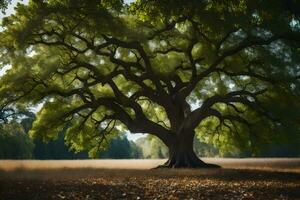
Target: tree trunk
182 155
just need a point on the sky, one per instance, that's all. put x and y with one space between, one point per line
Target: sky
14 3
10 10
11 7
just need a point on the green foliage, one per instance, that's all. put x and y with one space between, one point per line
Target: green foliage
121 148
55 150
100 68
14 142
4 4
205 150
152 148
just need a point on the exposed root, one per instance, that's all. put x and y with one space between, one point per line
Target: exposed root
202 166
186 161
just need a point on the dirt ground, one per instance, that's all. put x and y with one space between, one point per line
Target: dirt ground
134 179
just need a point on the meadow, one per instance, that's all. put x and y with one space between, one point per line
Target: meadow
136 179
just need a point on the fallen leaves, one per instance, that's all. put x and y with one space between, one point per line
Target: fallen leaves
154 184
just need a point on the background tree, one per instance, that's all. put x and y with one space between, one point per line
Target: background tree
152 148
14 142
226 69
121 148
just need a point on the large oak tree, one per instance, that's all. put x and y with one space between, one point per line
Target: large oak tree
166 68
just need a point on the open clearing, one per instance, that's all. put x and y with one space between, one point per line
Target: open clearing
134 179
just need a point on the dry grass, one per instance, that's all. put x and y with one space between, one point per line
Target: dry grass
273 164
132 179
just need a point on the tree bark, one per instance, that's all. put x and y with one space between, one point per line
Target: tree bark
182 155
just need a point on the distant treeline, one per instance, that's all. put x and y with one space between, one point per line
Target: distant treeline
15 143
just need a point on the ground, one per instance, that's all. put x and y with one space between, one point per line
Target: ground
134 179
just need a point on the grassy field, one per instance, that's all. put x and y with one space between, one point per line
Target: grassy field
134 179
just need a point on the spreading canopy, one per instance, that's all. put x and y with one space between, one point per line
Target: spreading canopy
165 68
